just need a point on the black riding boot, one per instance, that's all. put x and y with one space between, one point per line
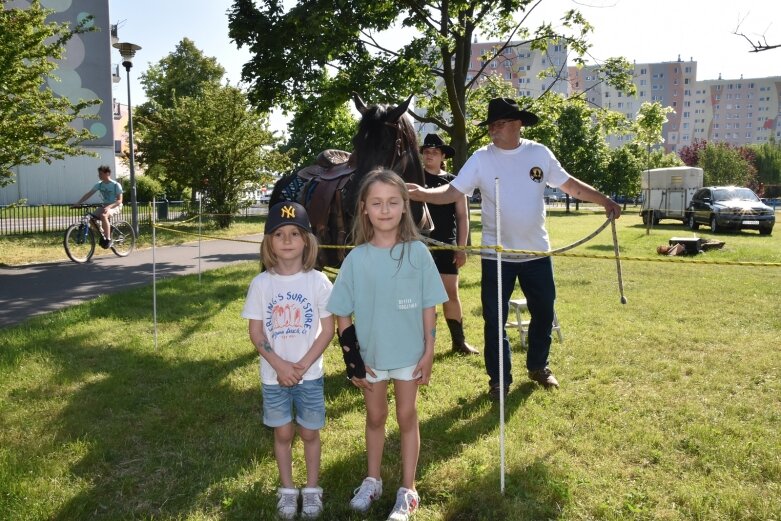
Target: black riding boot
457 335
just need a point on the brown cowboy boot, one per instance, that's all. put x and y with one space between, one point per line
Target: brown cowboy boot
457 335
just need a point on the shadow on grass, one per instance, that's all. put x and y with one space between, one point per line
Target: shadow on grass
150 425
531 493
157 434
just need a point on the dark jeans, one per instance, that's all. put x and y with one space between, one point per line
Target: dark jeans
536 279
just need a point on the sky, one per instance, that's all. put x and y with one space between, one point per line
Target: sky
641 30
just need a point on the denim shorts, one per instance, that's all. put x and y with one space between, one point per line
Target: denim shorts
403 373
307 398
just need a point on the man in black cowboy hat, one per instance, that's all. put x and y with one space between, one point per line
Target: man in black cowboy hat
523 168
451 226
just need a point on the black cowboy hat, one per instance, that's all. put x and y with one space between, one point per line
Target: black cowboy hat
507 108
434 141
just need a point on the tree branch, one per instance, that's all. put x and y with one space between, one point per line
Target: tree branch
760 45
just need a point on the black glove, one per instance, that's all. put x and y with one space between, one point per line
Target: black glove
351 352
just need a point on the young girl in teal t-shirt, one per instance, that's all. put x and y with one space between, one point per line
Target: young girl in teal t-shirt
390 284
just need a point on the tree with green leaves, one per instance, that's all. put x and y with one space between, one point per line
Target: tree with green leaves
215 142
726 165
649 123
184 73
316 127
342 36
35 123
767 160
622 172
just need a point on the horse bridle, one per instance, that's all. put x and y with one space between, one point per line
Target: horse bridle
398 152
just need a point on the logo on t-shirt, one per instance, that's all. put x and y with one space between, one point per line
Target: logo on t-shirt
289 314
536 174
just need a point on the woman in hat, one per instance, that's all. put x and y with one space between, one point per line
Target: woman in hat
451 226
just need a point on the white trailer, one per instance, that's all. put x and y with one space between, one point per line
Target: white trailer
667 192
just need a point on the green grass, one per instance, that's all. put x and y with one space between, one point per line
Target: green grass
669 406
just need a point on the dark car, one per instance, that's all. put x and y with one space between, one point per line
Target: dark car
722 207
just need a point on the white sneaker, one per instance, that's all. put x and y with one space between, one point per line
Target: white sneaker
369 490
287 505
311 502
407 502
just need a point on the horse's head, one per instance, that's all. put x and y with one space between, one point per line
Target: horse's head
386 138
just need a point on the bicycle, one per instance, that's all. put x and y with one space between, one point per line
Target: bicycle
79 240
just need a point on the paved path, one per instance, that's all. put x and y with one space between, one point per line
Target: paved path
41 288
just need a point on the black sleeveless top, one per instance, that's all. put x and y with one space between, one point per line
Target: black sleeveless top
443 215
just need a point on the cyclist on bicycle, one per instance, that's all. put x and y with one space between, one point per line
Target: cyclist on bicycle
111 192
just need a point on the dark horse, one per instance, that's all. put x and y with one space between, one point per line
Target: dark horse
328 189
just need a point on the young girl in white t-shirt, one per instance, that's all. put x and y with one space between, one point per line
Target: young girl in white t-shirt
390 284
290 328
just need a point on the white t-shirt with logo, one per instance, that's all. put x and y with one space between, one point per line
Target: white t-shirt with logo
523 173
290 307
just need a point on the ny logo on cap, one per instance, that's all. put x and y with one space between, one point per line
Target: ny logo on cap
288 212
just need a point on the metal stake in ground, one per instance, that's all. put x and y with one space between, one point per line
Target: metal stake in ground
618 258
500 330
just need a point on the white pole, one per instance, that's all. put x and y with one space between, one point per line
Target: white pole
500 331
199 236
154 270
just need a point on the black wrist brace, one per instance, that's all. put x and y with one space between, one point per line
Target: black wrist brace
351 352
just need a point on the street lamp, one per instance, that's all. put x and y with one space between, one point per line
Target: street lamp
127 51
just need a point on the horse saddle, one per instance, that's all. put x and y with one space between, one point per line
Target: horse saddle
331 172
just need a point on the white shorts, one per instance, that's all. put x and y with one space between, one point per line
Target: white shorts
404 374
111 212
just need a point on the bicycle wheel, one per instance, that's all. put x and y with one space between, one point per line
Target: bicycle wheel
124 238
79 245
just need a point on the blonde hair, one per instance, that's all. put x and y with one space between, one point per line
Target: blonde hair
363 231
308 257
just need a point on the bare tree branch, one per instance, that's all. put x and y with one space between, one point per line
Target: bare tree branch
761 43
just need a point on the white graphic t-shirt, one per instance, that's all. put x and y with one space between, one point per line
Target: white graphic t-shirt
290 307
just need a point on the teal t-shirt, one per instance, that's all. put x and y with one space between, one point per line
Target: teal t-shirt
387 298
109 190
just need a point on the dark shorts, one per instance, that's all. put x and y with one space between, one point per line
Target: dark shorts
444 261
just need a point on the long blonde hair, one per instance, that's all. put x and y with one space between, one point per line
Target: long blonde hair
363 231
308 257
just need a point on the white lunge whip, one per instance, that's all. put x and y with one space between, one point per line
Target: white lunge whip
154 269
618 258
500 331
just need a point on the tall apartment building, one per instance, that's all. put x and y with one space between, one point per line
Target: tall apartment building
84 73
739 112
521 66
